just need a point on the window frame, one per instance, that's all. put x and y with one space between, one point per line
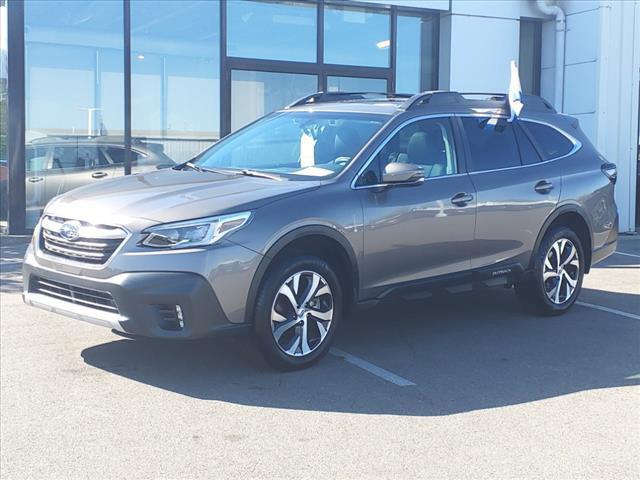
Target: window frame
298 3
518 127
467 144
433 81
319 68
577 144
574 141
75 169
458 145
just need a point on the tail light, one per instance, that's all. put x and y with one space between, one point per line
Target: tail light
610 170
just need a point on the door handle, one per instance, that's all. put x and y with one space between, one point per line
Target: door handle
543 186
35 179
99 174
461 199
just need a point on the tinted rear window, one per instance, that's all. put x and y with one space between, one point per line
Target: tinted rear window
528 153
551 142
492 143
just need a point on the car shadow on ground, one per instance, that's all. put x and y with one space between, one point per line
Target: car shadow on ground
464 352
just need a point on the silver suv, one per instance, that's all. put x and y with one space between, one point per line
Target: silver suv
338 200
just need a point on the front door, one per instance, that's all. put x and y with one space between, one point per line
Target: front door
420 231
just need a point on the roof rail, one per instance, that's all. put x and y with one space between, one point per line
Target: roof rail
324 97
441 97
495 100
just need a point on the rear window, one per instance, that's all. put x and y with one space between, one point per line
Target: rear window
528 153
492 143
551 143
117 155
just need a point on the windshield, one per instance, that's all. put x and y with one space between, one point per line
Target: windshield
314 144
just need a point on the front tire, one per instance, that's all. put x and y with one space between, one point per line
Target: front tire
555 281
298 309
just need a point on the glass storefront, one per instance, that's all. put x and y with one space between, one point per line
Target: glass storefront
199 69
254 94
272 30
175 80
74 60
356 84
417 53
357 36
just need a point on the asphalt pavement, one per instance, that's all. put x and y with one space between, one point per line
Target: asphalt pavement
463 386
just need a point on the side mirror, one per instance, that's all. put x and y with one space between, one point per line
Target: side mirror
402 173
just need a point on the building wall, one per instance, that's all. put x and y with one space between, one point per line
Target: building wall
601 84
616 101
477 42
602 46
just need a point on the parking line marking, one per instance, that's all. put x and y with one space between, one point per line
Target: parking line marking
628 254
371 368
610 310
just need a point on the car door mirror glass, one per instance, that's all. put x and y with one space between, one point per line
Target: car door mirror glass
397 172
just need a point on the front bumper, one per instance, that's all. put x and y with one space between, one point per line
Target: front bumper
143 301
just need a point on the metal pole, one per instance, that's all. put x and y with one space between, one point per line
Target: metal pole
16 204
127 87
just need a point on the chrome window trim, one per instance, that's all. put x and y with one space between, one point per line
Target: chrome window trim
577 144
384 143
65 261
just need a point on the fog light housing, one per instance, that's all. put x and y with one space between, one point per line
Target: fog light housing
171 317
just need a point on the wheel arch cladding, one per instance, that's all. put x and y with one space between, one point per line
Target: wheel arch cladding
572 217
323 242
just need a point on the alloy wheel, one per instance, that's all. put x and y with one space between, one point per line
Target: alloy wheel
561 271
302 313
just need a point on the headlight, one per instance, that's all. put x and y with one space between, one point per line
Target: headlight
194 233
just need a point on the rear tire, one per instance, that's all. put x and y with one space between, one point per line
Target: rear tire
554 283
298 309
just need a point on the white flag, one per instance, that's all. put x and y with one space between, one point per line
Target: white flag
515 92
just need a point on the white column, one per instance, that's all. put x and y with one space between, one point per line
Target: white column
617 99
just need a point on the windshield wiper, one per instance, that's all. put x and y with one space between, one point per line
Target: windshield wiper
198 168
245 171
192 166
254 173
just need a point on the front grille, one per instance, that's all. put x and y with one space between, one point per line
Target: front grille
93 244
86 297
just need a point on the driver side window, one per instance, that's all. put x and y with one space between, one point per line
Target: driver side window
428 143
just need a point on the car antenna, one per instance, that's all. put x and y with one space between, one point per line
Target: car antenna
515 92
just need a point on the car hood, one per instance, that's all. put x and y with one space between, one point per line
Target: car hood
170 195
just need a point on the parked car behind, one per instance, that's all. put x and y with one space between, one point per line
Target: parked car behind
338 201
55 165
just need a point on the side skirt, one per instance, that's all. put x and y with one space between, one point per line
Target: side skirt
494 276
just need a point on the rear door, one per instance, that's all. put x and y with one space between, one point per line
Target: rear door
76 165
516 190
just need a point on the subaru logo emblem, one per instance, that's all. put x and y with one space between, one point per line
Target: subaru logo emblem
70 230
